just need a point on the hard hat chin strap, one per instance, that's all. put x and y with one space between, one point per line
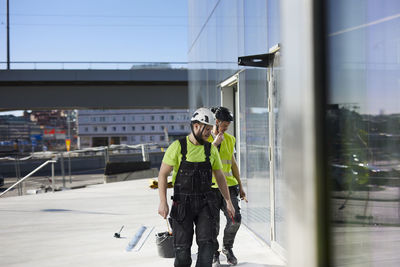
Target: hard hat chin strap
198 136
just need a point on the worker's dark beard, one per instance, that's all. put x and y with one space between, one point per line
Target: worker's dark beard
199 135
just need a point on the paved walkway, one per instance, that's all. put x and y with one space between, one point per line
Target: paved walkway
76 228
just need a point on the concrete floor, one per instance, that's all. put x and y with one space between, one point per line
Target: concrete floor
76 228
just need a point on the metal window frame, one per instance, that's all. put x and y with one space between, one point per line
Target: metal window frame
230 81
268 61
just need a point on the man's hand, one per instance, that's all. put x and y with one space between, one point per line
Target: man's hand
218 139
163 209
230 209
242 194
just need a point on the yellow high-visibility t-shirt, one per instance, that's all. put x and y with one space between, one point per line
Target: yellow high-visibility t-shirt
195 153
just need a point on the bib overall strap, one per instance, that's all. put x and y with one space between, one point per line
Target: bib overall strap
207 151
183 148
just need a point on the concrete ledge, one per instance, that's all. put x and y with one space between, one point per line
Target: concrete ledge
127 176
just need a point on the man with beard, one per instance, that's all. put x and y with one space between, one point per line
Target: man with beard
193 161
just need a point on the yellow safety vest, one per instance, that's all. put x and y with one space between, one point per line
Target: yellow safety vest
226 151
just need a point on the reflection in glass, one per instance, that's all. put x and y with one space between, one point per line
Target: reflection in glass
234 28
363 122
254 159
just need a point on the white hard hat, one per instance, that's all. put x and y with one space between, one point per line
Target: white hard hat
204 115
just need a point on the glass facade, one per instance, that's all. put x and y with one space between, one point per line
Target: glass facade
360 147
363 120
254 143
219 32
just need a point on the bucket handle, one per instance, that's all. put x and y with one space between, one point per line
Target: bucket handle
162 240
169 231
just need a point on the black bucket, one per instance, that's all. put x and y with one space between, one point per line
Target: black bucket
165 245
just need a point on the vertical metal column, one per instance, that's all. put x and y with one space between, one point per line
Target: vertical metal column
303 133
62 168
69 136
144 152
271 129
69 167
18 174
8 34
106 157
53 183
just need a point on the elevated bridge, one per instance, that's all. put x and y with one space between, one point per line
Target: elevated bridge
93 89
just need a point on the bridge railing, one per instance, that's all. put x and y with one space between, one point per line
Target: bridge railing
92 65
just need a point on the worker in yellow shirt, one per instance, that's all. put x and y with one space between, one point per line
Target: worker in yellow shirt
226 147
194 161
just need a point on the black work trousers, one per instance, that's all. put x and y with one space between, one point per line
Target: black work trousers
231 227
194 210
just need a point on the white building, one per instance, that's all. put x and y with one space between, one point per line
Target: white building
131 126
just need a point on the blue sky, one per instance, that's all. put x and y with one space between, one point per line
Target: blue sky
365 55
95 30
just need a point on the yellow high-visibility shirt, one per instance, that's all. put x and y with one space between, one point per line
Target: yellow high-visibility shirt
195 153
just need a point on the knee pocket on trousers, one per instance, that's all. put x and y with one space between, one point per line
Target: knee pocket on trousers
183 256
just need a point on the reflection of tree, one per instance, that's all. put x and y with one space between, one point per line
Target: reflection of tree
355 142
348 147
361 140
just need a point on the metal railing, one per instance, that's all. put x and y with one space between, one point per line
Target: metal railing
32 172
93 65
73 164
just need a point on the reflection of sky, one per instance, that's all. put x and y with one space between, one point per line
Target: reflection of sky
364 41
225 29
273 22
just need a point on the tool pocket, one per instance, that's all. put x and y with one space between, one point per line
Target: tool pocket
178 211
205 180
186 180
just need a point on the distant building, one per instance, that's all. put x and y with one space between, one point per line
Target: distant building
55 125
18 134
48 118
132 126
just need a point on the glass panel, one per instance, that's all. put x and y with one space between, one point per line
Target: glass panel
364 131
254 153
255 27
232 29
273 23
213 54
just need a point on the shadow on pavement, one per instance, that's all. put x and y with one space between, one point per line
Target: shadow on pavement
253 264
244 264
78 211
